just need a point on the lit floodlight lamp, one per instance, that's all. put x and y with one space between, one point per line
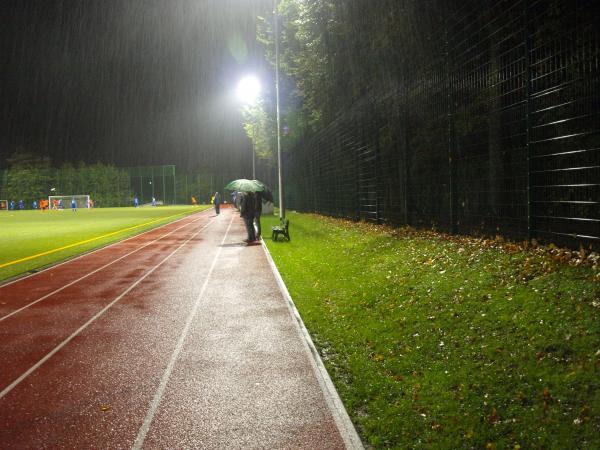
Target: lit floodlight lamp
248 90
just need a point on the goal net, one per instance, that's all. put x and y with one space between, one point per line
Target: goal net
3 205
64 201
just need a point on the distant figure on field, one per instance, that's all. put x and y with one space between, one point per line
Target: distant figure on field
73 204
11 205
44 205
153 201
34 205
217 202
21 204
136 201
60 203
247 205
194 201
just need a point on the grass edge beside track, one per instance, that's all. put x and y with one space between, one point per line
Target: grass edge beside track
448 342
89 245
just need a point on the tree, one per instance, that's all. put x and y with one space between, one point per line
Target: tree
29 177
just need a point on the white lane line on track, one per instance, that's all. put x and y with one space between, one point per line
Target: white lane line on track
49 355
83 255
97 270
139 441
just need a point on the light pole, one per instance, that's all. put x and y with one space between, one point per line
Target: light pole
253 151
279 171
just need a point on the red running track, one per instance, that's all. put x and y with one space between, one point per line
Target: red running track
140 345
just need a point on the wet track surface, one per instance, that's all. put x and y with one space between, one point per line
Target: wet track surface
177 338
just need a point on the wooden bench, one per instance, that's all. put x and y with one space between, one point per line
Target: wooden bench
283 229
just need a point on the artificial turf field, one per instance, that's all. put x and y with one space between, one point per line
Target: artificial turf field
30 240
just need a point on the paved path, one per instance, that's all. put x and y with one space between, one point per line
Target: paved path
178 338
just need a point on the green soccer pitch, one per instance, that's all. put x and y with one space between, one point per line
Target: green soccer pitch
31 240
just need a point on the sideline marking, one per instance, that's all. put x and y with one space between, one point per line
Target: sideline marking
49 355
96 250
139 441
27 258
100 268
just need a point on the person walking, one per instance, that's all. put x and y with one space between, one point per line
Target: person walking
217 202
247 205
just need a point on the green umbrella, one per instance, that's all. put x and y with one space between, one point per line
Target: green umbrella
243 185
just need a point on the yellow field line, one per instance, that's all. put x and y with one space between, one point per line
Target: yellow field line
16 261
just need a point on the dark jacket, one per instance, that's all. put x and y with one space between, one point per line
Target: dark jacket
258 203
248 205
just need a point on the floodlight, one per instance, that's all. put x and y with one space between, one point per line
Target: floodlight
248 89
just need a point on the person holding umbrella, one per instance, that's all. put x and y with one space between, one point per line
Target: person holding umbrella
247 211
261 196
250 194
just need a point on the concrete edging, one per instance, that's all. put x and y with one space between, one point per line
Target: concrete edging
334 402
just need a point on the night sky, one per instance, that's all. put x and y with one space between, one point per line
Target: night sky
129 82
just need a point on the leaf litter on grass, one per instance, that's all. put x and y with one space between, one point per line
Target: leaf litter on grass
442 340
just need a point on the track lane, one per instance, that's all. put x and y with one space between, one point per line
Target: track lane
28 336
135 339
19 293
241 379
136 249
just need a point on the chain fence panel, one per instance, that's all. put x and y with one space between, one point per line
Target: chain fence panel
499 134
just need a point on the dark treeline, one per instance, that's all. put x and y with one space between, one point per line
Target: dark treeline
31 177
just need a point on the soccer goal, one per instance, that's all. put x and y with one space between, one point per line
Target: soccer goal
3 205
64 201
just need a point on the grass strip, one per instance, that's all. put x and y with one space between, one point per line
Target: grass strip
34 239
449 342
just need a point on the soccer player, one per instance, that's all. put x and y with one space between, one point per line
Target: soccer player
136 201
34 205
21 205
73 204
11 205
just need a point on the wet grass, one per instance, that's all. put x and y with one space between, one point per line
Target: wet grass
27 233
438 342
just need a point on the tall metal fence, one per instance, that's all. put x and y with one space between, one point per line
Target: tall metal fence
498 134
158 182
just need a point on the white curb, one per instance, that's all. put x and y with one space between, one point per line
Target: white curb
345 426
